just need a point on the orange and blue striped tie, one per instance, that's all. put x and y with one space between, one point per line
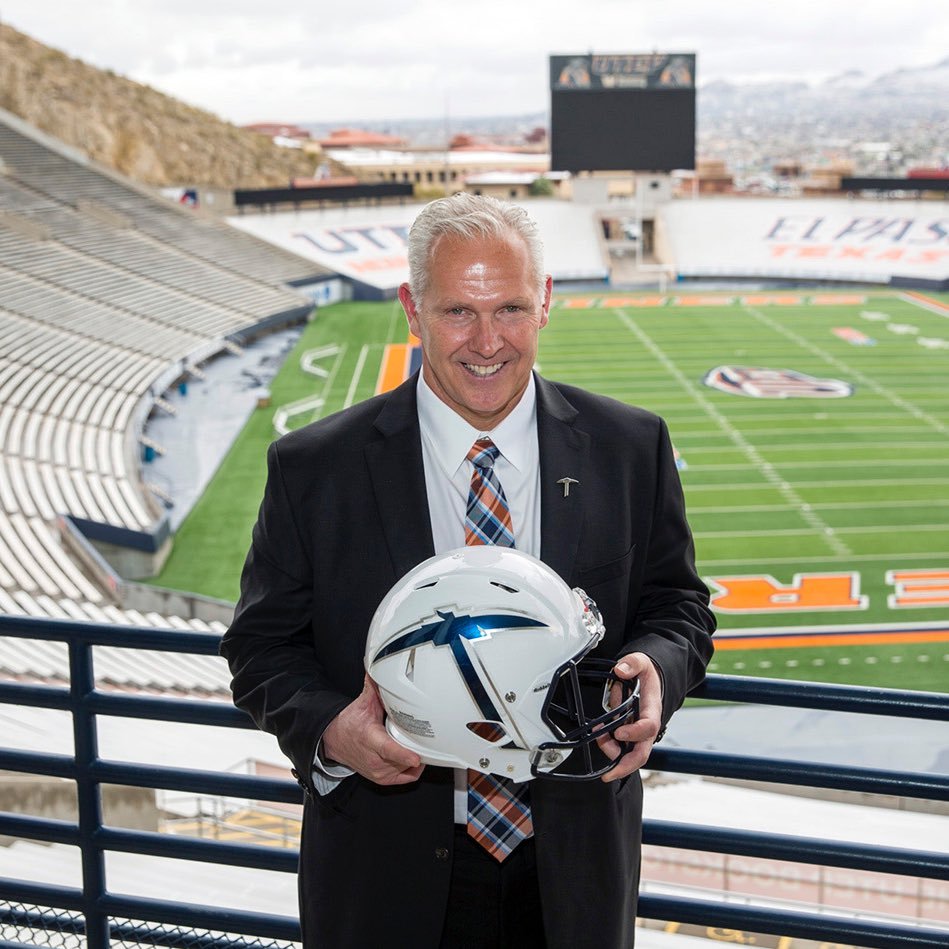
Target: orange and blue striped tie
499 814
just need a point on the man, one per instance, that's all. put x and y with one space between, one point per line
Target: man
354 501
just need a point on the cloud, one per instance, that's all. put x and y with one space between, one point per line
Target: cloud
249 60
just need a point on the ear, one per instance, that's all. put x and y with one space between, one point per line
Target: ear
545 314
408 305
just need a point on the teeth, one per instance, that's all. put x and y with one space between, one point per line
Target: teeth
483 370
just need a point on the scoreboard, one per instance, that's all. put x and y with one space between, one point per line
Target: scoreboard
622 112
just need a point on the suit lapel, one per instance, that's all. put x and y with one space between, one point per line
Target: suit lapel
564 451
398 479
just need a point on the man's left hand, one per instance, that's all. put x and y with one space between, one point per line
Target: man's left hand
645 728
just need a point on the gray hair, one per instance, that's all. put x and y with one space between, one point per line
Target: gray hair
469 216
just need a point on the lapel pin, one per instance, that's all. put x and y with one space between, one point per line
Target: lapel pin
566 482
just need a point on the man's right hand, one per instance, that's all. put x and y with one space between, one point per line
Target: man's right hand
357 738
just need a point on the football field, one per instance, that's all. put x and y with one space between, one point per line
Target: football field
813 435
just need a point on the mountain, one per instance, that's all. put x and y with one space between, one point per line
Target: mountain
929 80
133 128
921 92
851 79
884 125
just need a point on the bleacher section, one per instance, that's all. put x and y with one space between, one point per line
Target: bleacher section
107 294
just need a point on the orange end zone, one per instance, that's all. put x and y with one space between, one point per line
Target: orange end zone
703 300
632 301
773 299
396 364
831 639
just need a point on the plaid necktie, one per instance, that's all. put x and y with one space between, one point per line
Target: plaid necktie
499 813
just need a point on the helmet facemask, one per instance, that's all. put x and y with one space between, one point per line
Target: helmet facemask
565 709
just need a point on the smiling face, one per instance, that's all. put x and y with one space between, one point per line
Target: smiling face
478 324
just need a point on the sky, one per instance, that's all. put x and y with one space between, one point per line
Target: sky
294 61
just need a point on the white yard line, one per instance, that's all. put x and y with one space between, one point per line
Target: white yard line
925 305
796 446
330 379
805 531
823 465
822 429
396 320
357 373
845 559
818 415
824 506
877 482
751 453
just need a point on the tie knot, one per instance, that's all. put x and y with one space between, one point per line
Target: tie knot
483 453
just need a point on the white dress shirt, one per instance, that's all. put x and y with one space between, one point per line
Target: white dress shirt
446 441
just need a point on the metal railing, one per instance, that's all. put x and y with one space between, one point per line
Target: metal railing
96 915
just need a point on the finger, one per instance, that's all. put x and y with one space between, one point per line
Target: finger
630 762
643 729
388 772
628 667
609 746
410 774
396 755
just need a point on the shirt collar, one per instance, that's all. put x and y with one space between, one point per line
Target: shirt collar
450 436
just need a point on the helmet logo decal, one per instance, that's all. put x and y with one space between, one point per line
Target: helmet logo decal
450 631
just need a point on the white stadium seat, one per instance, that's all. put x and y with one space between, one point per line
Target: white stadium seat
91 318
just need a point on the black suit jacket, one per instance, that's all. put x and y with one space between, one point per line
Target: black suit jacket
344 516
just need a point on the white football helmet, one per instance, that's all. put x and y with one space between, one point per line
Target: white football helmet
477 655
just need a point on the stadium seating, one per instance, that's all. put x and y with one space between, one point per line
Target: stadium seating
51 176
107 292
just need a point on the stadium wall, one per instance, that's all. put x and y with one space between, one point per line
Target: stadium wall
130 553
901 243
271 324
50 797
367 246
151 599
101 561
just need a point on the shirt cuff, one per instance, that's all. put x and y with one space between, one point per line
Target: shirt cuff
327 777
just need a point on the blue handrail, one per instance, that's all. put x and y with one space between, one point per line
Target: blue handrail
103 911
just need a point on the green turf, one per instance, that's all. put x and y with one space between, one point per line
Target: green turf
211 543
774 487
921 666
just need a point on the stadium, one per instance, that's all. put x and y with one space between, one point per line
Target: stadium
148 355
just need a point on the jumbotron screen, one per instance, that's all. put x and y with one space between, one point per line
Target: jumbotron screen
622 112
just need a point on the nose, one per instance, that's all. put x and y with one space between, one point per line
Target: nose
486 339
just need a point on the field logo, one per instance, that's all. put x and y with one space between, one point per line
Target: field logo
758 383
807 591
853 336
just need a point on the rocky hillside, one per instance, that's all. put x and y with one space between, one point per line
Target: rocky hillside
132 128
